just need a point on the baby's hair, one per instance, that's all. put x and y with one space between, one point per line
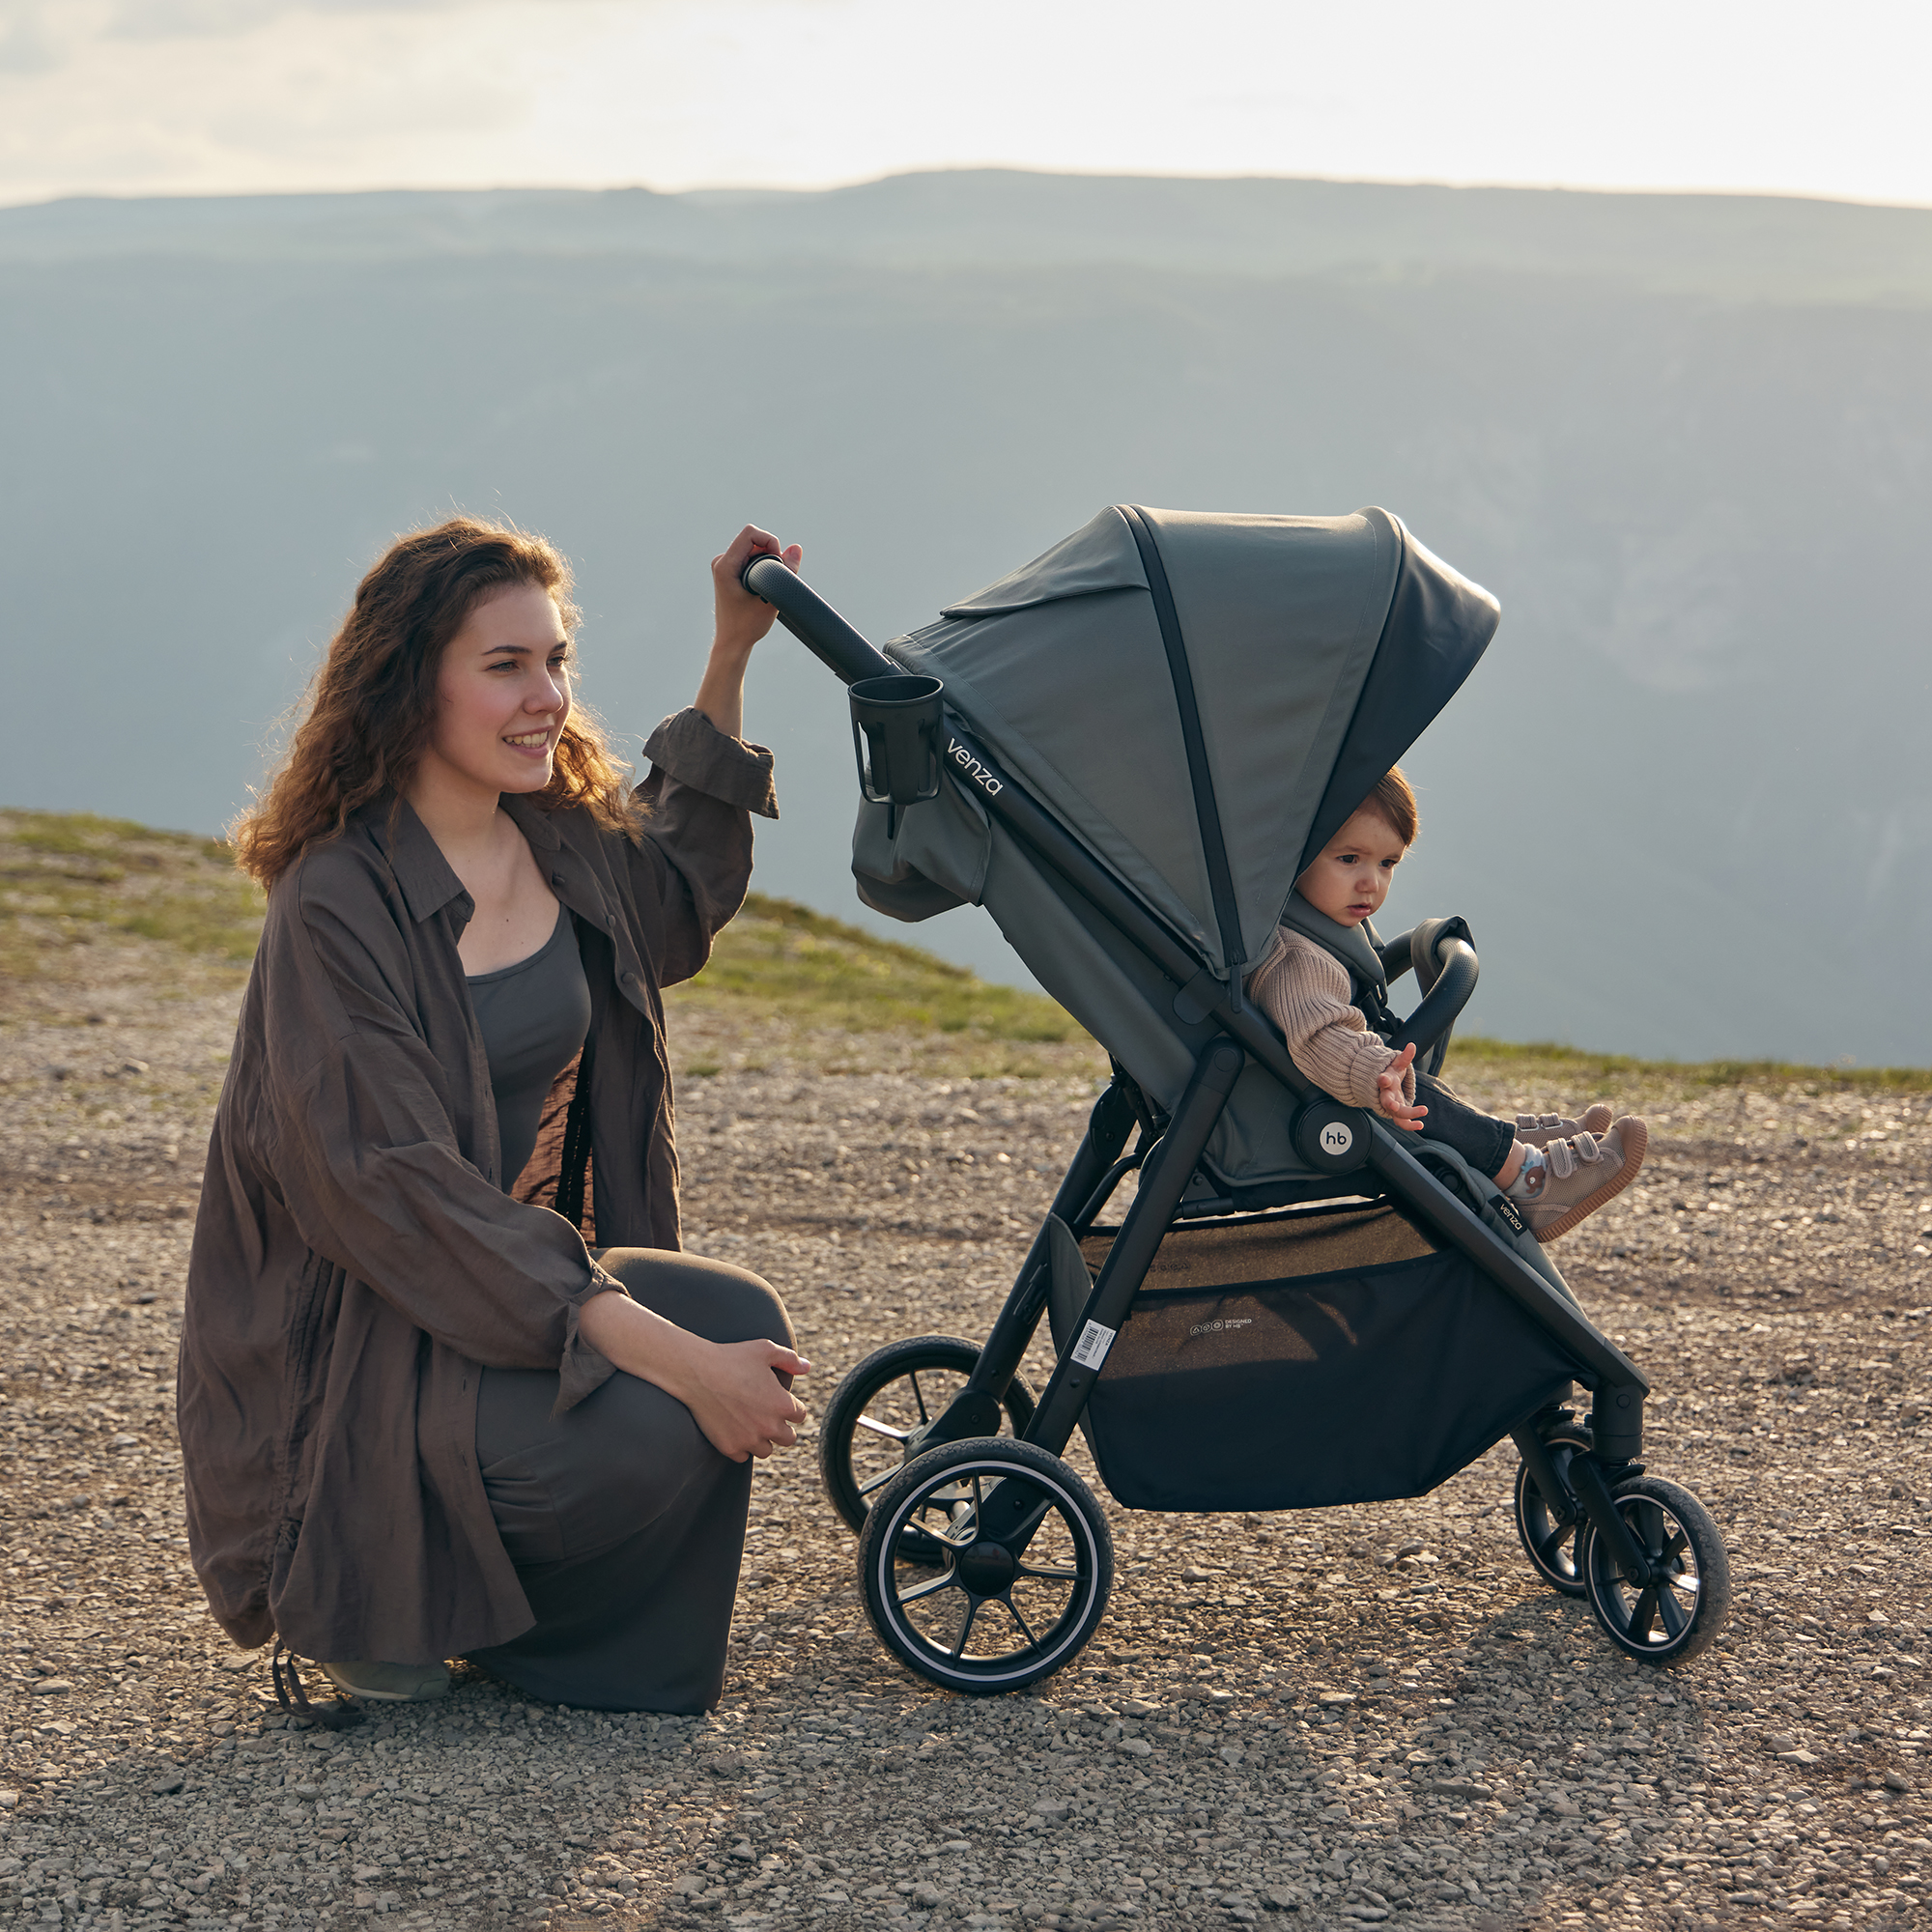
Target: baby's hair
1394 800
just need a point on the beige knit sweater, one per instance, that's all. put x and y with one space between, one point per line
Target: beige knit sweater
1305 992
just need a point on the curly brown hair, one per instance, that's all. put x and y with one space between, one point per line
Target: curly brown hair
369 712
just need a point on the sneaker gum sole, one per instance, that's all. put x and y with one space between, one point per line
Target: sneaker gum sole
1635 1140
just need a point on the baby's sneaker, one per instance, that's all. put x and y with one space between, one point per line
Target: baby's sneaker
1539 1129
1581 1173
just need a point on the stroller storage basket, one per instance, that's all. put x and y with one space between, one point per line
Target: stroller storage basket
1305 1360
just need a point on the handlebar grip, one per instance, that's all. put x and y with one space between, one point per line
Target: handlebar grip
813 622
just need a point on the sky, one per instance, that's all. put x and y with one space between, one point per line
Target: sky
202 97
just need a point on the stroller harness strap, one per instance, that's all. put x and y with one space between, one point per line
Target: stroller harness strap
1206 812
1351 946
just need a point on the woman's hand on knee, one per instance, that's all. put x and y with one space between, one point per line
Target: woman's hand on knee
740 1395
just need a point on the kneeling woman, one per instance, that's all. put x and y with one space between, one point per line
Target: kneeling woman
420 1418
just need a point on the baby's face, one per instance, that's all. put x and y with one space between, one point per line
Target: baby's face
1350 879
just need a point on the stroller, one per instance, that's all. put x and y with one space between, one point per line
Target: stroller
1128 751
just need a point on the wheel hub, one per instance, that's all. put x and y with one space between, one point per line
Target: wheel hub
987 1569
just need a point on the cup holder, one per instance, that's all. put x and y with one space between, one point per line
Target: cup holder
895 724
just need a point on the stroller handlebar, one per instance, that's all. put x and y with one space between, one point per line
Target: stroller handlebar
813 622
1442 1006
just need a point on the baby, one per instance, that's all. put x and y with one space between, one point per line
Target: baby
1554 1169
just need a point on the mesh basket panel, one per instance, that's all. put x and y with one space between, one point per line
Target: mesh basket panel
1325 1359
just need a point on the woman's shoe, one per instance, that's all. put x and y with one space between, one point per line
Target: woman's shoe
1539 1129
1580 1174
389 1683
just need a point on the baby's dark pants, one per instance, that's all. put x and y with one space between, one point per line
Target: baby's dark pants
625 1524
1480 1139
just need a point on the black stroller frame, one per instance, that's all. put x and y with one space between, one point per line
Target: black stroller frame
961 1513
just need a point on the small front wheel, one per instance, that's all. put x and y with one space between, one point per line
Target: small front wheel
1679 1612
985 1565
1549 1536
879 1413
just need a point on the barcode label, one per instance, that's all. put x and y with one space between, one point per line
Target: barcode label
1090 1351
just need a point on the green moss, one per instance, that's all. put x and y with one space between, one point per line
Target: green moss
68 880
1548 1059
73 879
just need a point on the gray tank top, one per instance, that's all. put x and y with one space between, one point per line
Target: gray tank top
534 1016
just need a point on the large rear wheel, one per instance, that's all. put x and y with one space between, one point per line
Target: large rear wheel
977 1611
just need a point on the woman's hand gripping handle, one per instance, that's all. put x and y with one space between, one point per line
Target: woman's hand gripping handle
739 621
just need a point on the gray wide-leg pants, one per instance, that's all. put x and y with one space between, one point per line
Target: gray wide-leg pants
625 1524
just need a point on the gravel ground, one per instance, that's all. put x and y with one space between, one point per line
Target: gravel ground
1281 1716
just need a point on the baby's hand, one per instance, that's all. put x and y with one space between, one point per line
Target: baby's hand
1388 1092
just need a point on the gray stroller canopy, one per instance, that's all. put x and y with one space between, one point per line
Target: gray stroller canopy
1312 650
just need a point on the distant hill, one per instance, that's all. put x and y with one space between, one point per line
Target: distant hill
1717 245
1688 440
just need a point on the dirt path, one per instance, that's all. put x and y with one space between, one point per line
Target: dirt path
1277 1720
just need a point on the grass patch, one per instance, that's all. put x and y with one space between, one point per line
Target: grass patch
1573 1066
787 961
68 880
73 879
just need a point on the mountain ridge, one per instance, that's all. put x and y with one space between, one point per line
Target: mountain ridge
1684 800
1258 226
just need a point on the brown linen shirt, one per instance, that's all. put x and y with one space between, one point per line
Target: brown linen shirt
356 1256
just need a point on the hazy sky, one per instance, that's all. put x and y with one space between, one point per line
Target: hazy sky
142 97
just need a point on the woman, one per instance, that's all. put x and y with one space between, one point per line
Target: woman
419 1417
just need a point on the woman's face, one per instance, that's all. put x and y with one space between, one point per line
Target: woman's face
502 695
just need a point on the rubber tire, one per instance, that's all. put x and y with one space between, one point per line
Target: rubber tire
1528 1498
862 1383
1604 1582
993 1455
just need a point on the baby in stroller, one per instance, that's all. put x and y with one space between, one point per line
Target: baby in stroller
1555 1169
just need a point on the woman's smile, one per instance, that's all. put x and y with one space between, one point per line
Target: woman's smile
502 698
